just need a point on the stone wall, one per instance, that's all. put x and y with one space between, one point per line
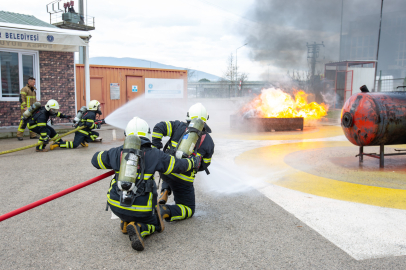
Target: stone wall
56 81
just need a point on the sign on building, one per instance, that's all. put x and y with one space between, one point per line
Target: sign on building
163 88
114 91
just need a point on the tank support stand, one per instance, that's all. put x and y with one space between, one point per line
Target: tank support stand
381 155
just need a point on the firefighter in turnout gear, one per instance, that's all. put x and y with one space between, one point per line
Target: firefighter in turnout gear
38 123
135 202
83 136
182 184
28 96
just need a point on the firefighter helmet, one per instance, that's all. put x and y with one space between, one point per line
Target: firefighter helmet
94 105
52 106
197 111
139 127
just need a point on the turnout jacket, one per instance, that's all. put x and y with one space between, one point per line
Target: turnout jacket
175 130
28 96
40 118
88 120
155 160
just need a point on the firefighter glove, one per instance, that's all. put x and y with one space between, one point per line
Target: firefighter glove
196 161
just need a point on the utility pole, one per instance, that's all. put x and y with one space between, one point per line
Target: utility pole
341 30
312 54
377 51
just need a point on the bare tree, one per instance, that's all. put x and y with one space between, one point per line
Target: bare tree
190 74
230 73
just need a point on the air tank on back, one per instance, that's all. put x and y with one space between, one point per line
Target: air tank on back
375 118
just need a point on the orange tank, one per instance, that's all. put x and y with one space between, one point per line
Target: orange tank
375 118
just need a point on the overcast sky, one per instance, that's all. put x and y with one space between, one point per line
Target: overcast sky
198 34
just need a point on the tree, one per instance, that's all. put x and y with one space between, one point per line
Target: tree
230 72
190 74
204 80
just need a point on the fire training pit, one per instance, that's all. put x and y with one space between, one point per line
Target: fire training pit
239 122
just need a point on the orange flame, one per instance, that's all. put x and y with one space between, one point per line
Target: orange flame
276 103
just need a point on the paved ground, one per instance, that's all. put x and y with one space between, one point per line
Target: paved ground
240 222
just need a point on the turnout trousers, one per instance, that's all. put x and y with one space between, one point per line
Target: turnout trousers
48 131
148 224
79 138
21 128
184 196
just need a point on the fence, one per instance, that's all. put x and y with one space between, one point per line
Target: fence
389 84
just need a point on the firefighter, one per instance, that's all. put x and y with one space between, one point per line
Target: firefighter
38 124
182 184
83 136
139 217
28 96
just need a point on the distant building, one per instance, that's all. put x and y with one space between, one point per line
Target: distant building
30 47
360 42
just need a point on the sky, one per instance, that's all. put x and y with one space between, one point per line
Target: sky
201 34
196 34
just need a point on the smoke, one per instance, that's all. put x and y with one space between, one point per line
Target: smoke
284 27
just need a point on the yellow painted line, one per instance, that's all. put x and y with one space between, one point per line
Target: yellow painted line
270 159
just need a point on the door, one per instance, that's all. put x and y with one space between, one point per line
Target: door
135 87
96 91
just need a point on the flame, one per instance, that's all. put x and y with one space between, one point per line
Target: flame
276 103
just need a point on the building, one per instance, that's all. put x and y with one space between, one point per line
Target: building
360 42
31 47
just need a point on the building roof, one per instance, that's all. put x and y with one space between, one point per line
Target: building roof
16 18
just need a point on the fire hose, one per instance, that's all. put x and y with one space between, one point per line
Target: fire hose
37 144
55 196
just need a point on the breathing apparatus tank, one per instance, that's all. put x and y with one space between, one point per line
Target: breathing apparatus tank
129 169
188 142
79 115
28 113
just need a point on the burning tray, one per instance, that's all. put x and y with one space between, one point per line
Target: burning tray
237 121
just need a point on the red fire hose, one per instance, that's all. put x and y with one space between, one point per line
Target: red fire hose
54 196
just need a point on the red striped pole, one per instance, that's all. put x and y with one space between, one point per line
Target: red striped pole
55 196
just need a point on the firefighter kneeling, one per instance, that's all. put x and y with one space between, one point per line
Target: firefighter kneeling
132 195
85 117
37 118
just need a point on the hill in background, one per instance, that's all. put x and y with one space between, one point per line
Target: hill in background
135 62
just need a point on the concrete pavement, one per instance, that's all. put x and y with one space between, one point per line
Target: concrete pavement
240 222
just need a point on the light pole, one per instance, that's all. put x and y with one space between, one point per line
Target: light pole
236 68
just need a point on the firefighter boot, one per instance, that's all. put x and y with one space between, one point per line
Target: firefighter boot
163 197
162 212
54 145
134 232
123 227
41 150
84 144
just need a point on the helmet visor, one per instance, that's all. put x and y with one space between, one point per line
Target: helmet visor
53 111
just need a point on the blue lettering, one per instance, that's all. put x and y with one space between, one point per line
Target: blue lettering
0 34
30 37
18 36
6 35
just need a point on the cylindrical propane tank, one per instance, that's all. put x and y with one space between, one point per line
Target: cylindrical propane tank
28 113
375 118
187 144
79 115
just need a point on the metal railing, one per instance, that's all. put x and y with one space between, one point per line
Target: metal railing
82 21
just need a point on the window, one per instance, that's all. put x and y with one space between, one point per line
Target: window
16 66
